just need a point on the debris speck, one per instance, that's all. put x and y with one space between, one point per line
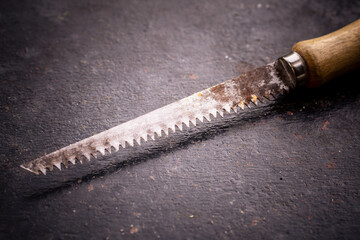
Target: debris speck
259 5
79 181
90 188
137 214
324 127
331 165
74 210
133 230
152 178
191 216
192 76
254 222
290 113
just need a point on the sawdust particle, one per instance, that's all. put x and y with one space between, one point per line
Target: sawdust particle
324 127
191 216
74 210
254 222
133 230
290 113
192 76
137 214
79 181
152 177
90 187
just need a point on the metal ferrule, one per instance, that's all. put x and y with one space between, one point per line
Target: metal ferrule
296 64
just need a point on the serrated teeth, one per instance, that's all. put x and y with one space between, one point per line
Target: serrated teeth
187 123
242 105
152 136
227 108
261 99
158 132
131 142
87 156
267 96
199 107
116 147
123 143
72 160
138 140
79 158
58 165
213 113
42 169
207 117
101 150
179 125
254 99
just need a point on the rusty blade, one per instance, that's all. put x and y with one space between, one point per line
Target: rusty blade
264 82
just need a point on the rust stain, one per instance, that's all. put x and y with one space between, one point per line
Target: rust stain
251 86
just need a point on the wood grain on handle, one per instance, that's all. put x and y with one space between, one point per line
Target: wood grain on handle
331 55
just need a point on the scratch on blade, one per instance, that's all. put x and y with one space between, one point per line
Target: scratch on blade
255 85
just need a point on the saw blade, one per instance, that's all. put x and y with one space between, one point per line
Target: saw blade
235 94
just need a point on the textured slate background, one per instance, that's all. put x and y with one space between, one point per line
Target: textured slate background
70 69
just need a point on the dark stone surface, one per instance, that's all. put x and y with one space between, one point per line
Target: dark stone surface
69 69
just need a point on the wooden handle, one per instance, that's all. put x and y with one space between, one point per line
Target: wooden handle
331 55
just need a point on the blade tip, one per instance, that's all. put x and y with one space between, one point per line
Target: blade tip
28 169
